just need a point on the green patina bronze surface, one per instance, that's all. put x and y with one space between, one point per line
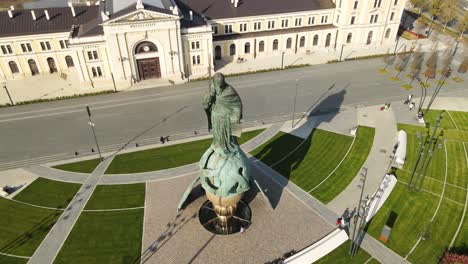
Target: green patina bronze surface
224 166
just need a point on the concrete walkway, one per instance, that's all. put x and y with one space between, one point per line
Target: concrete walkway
59 175
378 160
56 237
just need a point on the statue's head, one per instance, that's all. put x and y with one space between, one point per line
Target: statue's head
218 80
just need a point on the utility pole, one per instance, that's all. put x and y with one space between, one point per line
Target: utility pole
364 210
362 184
113 81
294 104
8 93
282 60
341 53
91 124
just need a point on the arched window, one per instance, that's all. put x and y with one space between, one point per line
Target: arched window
289 43
69 61
145 47
99 71
232 49
261 46
13 67
52 66
217 53
369 38
275 44
349 38
302 42
328 40
94 72
33 67
247 48
387 33
315 41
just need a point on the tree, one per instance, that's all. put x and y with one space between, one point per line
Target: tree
462 24
463 66
434 9
448 12
420 5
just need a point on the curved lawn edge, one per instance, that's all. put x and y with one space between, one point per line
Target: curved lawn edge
348 170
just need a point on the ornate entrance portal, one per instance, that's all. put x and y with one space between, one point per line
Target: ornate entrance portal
147 60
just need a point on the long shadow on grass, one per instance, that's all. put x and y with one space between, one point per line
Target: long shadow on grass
286 153
44 225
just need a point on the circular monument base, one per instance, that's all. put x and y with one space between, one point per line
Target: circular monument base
212 223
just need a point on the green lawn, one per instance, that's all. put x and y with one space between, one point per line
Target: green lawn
12 260
166 157
48 193
349 168
312 162
415 209
341 256
117 196
461 119
86 166
104 237
23 227
450 134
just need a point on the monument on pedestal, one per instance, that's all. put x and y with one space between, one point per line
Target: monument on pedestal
225 170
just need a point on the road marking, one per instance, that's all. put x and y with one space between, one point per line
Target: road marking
438 205
464 210
336 168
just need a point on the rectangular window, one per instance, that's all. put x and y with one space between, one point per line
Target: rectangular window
371 19
355 5
243 27
23 47
196 60
380 3
93 55
195 45
376 18
311 20
28 47
324 19
353 19
257 25
45 45
271 24
392 15
284 23
215 30
64 44
227 29
6 49
395 3
298 22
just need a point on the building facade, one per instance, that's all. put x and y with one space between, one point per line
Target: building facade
134 40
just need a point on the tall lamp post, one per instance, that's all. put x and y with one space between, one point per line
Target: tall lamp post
341 53
91 124
8 93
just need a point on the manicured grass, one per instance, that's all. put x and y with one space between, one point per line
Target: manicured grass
104 237
12 260
23 227
450 134
312 162
166 157
341 256
461 119
432 116
415 209
48 193
86 166
349 168
117 197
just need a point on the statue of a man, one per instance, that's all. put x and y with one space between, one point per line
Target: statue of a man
225 169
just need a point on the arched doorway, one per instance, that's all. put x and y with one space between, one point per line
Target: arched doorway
33 67
217 53
147 58
52 66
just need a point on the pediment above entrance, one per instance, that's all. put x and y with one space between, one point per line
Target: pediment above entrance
142 16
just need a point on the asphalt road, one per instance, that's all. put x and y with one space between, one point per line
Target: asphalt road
61 127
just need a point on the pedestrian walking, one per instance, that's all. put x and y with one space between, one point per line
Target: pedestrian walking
411 106
161 139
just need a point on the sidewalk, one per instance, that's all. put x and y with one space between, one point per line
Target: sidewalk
378 160
51 245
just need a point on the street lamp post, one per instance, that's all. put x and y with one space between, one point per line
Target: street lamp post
91 124
294 104
341 53
8 93
363 176
282 59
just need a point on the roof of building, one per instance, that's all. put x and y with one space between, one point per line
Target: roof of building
218 9
271 32
61 20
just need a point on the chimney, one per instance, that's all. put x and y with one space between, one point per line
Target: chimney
33 15
12 7
232 1
191 15
88 3
10 13
104 16
72 9
236 3
47 14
